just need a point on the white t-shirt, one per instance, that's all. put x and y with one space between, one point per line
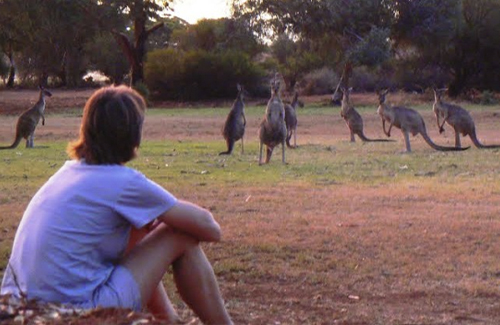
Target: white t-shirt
76 227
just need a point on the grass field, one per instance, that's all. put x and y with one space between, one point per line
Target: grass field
343 234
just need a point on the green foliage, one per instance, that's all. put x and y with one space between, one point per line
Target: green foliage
319 82
106 57
196 75
373 50
216 35
142 89
294 58
488 98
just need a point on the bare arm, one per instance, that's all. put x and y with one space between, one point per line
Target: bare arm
192 220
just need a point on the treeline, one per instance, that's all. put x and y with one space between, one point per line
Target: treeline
405 44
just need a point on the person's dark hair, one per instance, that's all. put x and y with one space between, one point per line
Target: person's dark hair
111 127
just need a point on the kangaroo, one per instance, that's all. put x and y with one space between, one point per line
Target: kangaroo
291 121
27 122
272 130
458 118
353 119
234 128
409 121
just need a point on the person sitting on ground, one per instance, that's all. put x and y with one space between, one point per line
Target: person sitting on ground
98 233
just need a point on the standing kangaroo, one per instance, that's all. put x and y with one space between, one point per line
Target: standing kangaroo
272 130
27 122
234 128
353 119
458 118
291 121
409 121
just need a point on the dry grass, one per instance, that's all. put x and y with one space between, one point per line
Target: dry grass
344 234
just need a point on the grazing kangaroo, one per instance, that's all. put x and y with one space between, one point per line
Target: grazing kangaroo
272 130
458 118
291 121
27 122
353 119
409 121
234 128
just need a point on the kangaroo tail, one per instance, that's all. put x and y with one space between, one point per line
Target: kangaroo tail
365 139
13 145
478 144
438 147
230 146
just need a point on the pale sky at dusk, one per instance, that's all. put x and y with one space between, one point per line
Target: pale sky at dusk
192 10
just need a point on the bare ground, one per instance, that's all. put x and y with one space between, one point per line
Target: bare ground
416 254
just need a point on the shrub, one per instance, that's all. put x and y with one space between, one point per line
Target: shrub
163 72
319 82
142 89
488 98
196 75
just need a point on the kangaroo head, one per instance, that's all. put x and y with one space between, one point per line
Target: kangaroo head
337 95
295 102
381 101
381 96
275 111
44 91
438 93
241 91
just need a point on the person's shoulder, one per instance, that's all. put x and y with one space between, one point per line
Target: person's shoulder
109 170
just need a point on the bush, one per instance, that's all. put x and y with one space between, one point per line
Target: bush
319 82
488 98
196 75
142 89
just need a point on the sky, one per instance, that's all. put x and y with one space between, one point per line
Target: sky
192 10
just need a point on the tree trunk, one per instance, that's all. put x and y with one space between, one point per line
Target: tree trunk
12 71
135 53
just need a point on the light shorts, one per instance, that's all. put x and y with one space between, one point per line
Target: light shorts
120 290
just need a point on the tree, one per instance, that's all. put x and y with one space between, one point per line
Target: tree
105 57
333 31
15 27
141 13
215 35
294 58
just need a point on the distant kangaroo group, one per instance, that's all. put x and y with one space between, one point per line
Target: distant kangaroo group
280 122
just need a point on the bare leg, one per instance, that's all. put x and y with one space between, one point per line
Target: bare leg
242 146
159 304
295 138
352 136
149 260
198 287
